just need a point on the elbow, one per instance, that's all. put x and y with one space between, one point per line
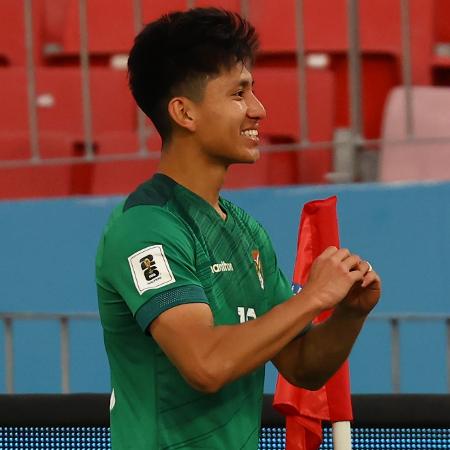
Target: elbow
308 381
312 385
205 379
204 385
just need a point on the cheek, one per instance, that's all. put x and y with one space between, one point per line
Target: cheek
241 106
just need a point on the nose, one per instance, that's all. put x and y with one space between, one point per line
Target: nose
255 108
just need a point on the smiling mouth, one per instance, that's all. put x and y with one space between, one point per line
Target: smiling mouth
252 134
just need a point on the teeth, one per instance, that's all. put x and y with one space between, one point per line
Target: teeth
250 133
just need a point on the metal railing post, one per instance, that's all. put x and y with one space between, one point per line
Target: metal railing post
301 72
65 318
65 362
354 70
141 117
31 82
245 8
447 322
354 80
9 354
85 81
406 67
395 355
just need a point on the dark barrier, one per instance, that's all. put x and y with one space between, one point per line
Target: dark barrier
81 421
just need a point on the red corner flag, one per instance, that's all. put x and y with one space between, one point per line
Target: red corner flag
305 410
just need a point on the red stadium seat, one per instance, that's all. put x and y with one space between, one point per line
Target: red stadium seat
326 28
111 26
413 161
53 26
441 21
60 116
379 74
277 88
12 31
326 32
84 178
113 109
231 5
441 56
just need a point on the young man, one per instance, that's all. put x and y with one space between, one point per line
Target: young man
191 298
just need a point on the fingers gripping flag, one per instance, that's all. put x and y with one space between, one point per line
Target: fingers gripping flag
305 410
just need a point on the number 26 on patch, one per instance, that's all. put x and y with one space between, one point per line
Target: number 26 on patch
246 314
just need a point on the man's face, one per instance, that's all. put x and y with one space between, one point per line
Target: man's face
228 118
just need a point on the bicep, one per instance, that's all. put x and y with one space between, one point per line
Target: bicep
183 333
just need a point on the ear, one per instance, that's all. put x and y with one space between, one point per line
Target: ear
182 112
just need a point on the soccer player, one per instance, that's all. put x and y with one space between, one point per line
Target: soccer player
191 298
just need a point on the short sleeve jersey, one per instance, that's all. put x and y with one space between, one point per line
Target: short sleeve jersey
165 246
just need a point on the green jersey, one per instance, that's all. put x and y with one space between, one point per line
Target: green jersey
165 246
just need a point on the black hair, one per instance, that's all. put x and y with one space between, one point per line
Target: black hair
175 55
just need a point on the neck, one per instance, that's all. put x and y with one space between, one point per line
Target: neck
190 168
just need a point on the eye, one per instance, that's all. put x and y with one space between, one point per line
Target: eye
239 93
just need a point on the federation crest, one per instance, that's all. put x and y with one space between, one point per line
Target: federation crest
258 265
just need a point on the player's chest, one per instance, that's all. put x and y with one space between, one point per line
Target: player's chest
233 276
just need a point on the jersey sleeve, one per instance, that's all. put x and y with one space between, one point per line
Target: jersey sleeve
149 259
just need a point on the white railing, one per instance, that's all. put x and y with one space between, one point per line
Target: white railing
64 319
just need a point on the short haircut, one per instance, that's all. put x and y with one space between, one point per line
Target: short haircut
176 54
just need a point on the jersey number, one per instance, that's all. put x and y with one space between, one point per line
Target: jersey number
246 314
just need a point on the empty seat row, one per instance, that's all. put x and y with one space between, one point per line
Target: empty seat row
60 119
59 109
426 158
112 26
121 177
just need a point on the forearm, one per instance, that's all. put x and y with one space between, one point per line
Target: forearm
228 352
318 355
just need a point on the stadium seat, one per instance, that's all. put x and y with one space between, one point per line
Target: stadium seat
113 109
379 74
84 178
53 26
326 28
326 34
111 26
402 160
441 21
231 5
277 88
441 54
60 116
12 32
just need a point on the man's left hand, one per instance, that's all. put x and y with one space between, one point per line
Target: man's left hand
364 295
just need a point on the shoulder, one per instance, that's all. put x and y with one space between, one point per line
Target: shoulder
153 222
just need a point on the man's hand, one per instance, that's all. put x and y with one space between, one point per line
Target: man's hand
333 274
363 296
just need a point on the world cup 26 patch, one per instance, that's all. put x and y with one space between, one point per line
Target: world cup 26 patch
150 269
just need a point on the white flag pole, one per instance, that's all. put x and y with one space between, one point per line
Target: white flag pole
342 438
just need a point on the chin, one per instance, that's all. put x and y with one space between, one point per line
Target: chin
253 155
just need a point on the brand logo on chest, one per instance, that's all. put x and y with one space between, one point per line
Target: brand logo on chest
222 267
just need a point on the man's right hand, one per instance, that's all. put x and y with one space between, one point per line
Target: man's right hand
332 275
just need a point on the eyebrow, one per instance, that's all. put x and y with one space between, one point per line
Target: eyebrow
246 82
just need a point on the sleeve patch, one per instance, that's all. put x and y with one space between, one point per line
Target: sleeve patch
150 269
